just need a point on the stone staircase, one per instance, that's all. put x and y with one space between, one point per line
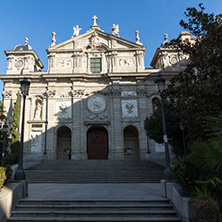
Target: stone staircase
95 171
94 210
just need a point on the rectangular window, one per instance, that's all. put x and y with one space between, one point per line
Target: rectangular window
96 66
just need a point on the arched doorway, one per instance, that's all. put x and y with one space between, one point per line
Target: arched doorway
64 143
131 142
97 143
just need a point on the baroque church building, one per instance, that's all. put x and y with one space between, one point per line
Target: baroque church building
92 101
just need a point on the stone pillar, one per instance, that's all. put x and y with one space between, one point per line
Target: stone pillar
117 151
141 93
51 134
79 130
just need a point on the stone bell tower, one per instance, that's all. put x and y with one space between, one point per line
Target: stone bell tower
23 60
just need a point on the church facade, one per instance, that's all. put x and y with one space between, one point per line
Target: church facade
92 101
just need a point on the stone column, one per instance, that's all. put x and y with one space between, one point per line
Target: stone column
78 133
51 134
117 151
141 93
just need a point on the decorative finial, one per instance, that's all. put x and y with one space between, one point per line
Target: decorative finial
94 18
76 31
26 41
53 39
138 38
115 30
166 37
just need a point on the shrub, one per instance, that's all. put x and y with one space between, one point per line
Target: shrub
209 162
8 173
205 210
10 158
2 176
185 173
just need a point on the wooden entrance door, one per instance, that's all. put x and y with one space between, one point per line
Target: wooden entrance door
97 143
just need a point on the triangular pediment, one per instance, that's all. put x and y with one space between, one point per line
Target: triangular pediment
95 39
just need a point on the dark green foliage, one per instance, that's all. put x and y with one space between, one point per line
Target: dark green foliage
2 116
15 143
206 210
183 170
210 160
8 173
154 129
196 93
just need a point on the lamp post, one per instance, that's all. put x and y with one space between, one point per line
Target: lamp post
160 82
46 125
182 128
5 128
20 173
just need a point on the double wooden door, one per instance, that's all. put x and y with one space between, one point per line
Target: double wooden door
97 143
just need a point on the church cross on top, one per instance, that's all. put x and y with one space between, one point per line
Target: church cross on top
94 18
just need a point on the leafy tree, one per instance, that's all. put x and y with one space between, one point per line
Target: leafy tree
154 129
2 117
15 141
196 93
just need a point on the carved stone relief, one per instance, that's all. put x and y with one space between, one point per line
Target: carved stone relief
129 94
173 59
64 109
142 92
61 63
129 108
51 93
95 42
7 94
64 95
99 116
36 142
125 62
78 93
114 92
10 61
19 63
96 103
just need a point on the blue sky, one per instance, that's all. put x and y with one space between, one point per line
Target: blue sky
38 19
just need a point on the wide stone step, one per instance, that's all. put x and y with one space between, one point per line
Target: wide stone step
96 202
95 219
95 171
87 180
94 210
95 207
93 213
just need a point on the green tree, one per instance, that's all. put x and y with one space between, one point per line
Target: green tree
196 93
2 117
154 129
15 134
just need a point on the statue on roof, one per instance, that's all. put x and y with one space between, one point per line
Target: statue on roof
76 31
138 38
115 30
53 39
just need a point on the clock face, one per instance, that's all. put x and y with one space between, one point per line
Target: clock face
96 104
19 64
173 60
